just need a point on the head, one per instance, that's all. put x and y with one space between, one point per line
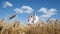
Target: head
34 13
30 16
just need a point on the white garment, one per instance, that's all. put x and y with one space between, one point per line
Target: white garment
30 20
36 19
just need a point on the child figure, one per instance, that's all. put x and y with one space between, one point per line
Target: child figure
30 19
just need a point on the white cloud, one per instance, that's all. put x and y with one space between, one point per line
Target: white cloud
7 4
47 13
44 10
18 10
26 9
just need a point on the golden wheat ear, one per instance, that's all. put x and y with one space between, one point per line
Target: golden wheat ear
1 28
48 20
12 16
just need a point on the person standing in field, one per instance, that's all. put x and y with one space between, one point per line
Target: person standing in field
35 18
30 19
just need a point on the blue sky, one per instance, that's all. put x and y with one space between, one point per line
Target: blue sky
22 8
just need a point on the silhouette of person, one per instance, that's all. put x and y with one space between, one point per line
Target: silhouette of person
30 19
35 18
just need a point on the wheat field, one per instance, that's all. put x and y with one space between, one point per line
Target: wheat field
52 27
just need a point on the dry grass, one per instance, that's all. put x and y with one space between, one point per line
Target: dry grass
52 27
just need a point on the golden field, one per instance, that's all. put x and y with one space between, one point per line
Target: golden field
52 27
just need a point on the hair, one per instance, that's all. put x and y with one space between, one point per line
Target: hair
29 15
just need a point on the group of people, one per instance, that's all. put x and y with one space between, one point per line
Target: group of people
33 19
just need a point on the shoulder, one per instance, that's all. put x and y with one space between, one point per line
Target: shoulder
36 16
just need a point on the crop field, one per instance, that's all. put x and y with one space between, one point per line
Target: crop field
52 27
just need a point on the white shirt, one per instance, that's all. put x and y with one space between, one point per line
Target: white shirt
36 19
30 20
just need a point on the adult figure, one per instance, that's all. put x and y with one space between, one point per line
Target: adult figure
35 18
